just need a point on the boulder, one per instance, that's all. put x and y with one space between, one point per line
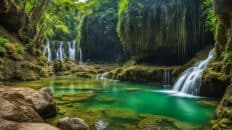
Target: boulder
11 125
41 101
72 124
14 107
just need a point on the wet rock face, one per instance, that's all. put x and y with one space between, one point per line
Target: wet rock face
11 17
224 111
223 6
72 124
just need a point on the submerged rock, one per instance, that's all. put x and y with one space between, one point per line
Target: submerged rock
70 98
121 113
72 124
105 99
133 89
153 122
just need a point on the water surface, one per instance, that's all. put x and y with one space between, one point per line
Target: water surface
123 105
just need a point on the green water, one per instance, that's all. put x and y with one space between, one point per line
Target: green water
124 105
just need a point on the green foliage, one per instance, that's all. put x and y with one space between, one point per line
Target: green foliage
228 57
3 41
211 19
19 49
97 29
60 21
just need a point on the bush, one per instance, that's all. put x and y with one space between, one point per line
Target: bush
19 49
3 41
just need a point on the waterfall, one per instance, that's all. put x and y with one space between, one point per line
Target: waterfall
101 125
72 50
60 52
190 80
81 58
47 50
102 76
166 75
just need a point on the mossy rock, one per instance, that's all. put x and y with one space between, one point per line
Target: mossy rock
152 121
208 103
119 113
81 97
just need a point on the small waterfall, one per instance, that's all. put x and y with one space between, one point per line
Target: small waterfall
81 58
72 50
102 76
47 50
60 52
167 76
101 125
190 80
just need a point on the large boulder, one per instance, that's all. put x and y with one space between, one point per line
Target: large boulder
41 101
72 124
11 125
14 107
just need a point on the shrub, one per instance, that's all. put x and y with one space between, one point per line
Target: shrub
19 49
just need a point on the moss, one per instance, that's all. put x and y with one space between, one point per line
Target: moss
208 103
140 73
2 51
71 98
117 113
58 66
155 122
105 99
214 82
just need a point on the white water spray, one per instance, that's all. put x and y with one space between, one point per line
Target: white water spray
190 80
166 75
102 76
81 57
72 50
47 50
60 52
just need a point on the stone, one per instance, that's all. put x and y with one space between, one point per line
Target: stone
11 125
41 101
14 107
68 123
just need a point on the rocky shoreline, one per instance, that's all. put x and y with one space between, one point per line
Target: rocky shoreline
26 108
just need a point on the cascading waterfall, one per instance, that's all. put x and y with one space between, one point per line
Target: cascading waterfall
81 58
72 50
47 50
102 76
190 80
166 75
60 52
